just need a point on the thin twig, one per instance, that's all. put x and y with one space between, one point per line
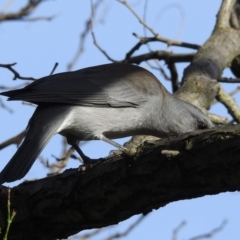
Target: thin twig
229 80
23 12
229 103
145 19
14 140
158 68
16 74
145 40
2 87
182 17
177 230
54 68
128 230
88 235
138 17
157 36
94 38
161 55
212 233
10 216
169 42
83 36
47 18
4 106
57 167
235 91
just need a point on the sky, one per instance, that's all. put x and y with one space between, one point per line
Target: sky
37 46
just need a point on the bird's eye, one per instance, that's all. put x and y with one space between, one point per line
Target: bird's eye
201 125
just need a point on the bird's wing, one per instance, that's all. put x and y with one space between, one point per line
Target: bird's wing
115 85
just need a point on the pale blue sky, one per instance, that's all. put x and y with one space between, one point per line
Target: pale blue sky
37 46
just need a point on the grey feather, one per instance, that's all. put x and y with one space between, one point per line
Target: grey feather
103 102
36 139
101 86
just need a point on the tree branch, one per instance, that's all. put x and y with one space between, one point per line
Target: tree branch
223 17
94 38
161 55
229 103
16 74
119 188
13 140
229 80
24 12
88 27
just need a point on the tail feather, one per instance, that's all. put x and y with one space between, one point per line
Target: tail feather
23 159
38 135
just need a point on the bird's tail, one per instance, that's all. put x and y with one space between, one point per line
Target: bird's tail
42 126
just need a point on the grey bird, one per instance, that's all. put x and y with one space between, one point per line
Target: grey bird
103 102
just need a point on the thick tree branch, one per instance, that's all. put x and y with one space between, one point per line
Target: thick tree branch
199 81
223 17
120 188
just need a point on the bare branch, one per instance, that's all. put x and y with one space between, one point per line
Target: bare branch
223 17
177 230
156 37
174 75
161 55
94 38
145 40
35 19
138 17
83 36
235 91
235 16
169 42
16 74
229 80
218 119
212 233
14 140
58 166
4 106
88 235
128 230
54 68
229 103
24 12
158 68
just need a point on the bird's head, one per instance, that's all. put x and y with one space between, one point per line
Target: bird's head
190 118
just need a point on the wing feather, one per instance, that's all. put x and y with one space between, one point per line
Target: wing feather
113 85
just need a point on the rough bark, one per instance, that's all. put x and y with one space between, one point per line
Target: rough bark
112 191
200 85
202 163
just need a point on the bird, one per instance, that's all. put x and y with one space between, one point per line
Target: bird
103 102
